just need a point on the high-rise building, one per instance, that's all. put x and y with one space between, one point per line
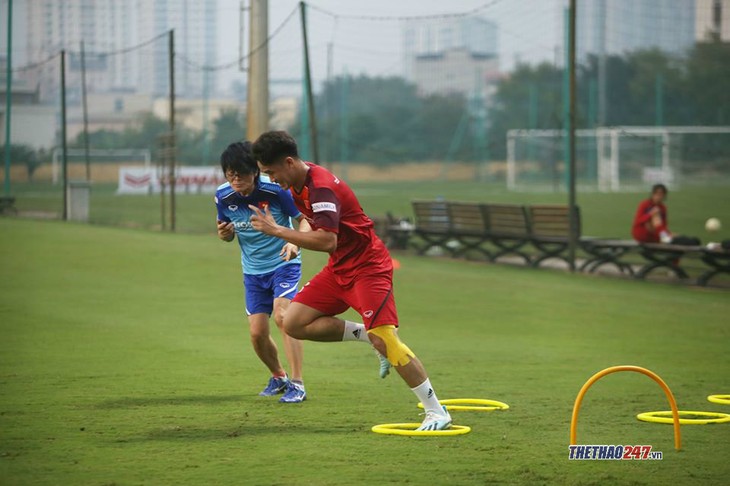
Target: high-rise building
111 26
619 26
194 22
712 18
103 26
451 55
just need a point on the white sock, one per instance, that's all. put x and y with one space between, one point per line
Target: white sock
665 237
427 397
354 331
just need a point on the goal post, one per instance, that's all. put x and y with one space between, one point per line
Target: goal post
610 159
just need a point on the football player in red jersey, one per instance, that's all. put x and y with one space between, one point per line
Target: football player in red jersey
650 221
359 273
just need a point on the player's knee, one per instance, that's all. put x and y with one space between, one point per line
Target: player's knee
259 336
387 342
293 326
279 313
378 344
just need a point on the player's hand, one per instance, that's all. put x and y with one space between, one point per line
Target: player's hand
225 230
289 251
263 222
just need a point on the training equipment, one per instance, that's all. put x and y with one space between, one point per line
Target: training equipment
664 417
713 224
276 386
721 399
294 393
615 369
410 429
398 353
471 404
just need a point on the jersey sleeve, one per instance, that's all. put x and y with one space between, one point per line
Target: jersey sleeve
642 213
287 205
219 208
325 209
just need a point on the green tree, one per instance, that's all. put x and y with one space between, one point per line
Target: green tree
387 121
229 127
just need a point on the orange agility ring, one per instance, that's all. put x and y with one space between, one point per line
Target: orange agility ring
615 369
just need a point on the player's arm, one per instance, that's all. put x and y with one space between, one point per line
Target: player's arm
643 214
225 230
304 225
319 240
290 250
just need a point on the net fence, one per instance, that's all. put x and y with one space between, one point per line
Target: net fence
413 93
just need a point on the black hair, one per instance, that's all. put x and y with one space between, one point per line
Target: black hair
238 158
659 187
271 146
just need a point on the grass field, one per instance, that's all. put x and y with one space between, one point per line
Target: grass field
606 215
124 359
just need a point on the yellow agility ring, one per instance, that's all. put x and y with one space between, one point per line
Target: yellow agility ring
690 418
410 429
474 404
721 399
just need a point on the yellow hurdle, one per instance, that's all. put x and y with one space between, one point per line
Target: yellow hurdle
615 369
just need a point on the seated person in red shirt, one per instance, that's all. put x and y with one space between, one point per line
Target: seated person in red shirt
650 222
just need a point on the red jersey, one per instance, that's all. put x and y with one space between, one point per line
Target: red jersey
643 215
329 204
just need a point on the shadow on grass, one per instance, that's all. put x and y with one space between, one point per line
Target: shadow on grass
137 402
186 433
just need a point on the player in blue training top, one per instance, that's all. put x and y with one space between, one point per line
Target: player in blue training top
271 266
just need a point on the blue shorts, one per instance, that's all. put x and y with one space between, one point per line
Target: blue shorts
261 290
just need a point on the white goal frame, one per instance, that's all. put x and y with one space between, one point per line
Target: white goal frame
607 148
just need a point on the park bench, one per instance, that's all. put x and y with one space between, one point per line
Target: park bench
671 256
504 226
433 225
550 231
509 229
7 205
607 252
656 256
469 227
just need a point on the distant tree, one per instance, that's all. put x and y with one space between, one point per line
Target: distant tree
387 121
229 127
708 74
27 156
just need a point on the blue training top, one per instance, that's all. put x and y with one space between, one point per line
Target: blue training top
259 252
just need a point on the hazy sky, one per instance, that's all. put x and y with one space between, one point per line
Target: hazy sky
529 30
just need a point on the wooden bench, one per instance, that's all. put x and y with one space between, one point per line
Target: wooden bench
469 227
508 228
607 252
550 231
433 224
719 262
7 205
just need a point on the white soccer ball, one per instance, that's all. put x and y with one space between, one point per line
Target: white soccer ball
713 224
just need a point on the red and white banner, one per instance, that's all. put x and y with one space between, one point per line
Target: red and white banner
188 180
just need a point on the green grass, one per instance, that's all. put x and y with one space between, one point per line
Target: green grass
124 359
606 215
